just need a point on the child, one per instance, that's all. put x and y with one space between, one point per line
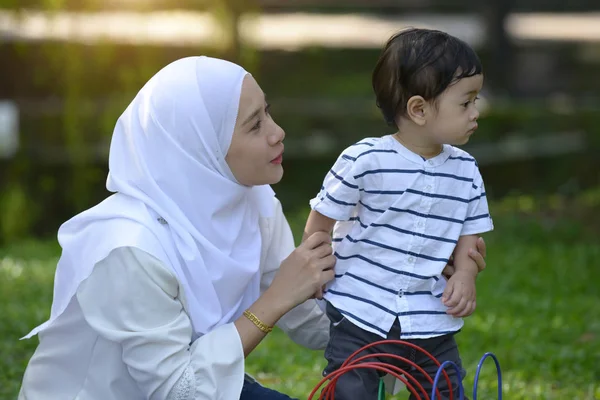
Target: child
399 206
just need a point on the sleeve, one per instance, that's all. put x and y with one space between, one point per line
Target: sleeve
306 324
478 219
340 192
131 298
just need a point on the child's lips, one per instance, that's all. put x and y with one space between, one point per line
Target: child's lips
278 159
473 129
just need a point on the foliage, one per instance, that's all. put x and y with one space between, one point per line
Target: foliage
537 310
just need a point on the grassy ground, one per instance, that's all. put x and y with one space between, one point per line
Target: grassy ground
538 310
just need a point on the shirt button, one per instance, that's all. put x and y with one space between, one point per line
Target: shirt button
400 293
428 187
421 224
430 162
411 260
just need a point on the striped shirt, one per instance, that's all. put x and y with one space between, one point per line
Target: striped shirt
399 219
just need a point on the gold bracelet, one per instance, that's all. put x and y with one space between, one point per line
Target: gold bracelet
259 324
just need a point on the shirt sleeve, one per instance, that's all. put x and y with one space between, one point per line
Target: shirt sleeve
478 219
132 299
306 324
340 192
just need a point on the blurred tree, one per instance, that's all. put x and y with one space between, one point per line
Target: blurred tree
228 15
500 69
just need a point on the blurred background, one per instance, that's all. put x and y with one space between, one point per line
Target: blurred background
68 68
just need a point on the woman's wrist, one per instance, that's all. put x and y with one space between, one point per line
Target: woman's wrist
259 319
269 308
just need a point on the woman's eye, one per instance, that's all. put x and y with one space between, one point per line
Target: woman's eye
257 125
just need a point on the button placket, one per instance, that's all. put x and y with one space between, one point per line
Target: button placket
429 184
411 244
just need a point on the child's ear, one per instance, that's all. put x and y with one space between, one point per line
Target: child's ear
415 110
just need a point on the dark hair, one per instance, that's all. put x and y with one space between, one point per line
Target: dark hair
419 62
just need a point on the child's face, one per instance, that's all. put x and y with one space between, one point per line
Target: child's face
455 119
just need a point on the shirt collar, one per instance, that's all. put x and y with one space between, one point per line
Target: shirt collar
418 159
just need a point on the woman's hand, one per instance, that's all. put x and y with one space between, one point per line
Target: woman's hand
304 272
477 255
299 277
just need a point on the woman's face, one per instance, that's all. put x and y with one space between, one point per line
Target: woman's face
256 149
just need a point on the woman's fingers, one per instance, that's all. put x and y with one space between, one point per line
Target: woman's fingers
327 276
481 247
326 263
478 258
323 250
315 240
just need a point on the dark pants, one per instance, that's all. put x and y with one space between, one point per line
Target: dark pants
363 384
252 390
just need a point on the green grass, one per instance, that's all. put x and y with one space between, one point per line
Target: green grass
538 311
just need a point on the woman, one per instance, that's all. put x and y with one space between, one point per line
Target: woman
165 287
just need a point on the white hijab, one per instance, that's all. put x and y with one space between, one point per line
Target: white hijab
175 196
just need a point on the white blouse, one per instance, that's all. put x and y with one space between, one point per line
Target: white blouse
126 334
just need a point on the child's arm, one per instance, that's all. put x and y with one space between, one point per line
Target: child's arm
462 260
317 222
459 295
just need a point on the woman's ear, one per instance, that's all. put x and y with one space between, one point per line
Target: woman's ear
415 110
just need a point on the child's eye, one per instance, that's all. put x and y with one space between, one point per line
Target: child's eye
469 102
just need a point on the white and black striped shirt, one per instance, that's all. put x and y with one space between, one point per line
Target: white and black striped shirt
399 219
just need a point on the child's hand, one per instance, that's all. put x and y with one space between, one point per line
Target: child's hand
460 295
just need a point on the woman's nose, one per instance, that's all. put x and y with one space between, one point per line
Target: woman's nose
278 135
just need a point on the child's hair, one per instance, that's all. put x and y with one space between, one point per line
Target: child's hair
421 62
